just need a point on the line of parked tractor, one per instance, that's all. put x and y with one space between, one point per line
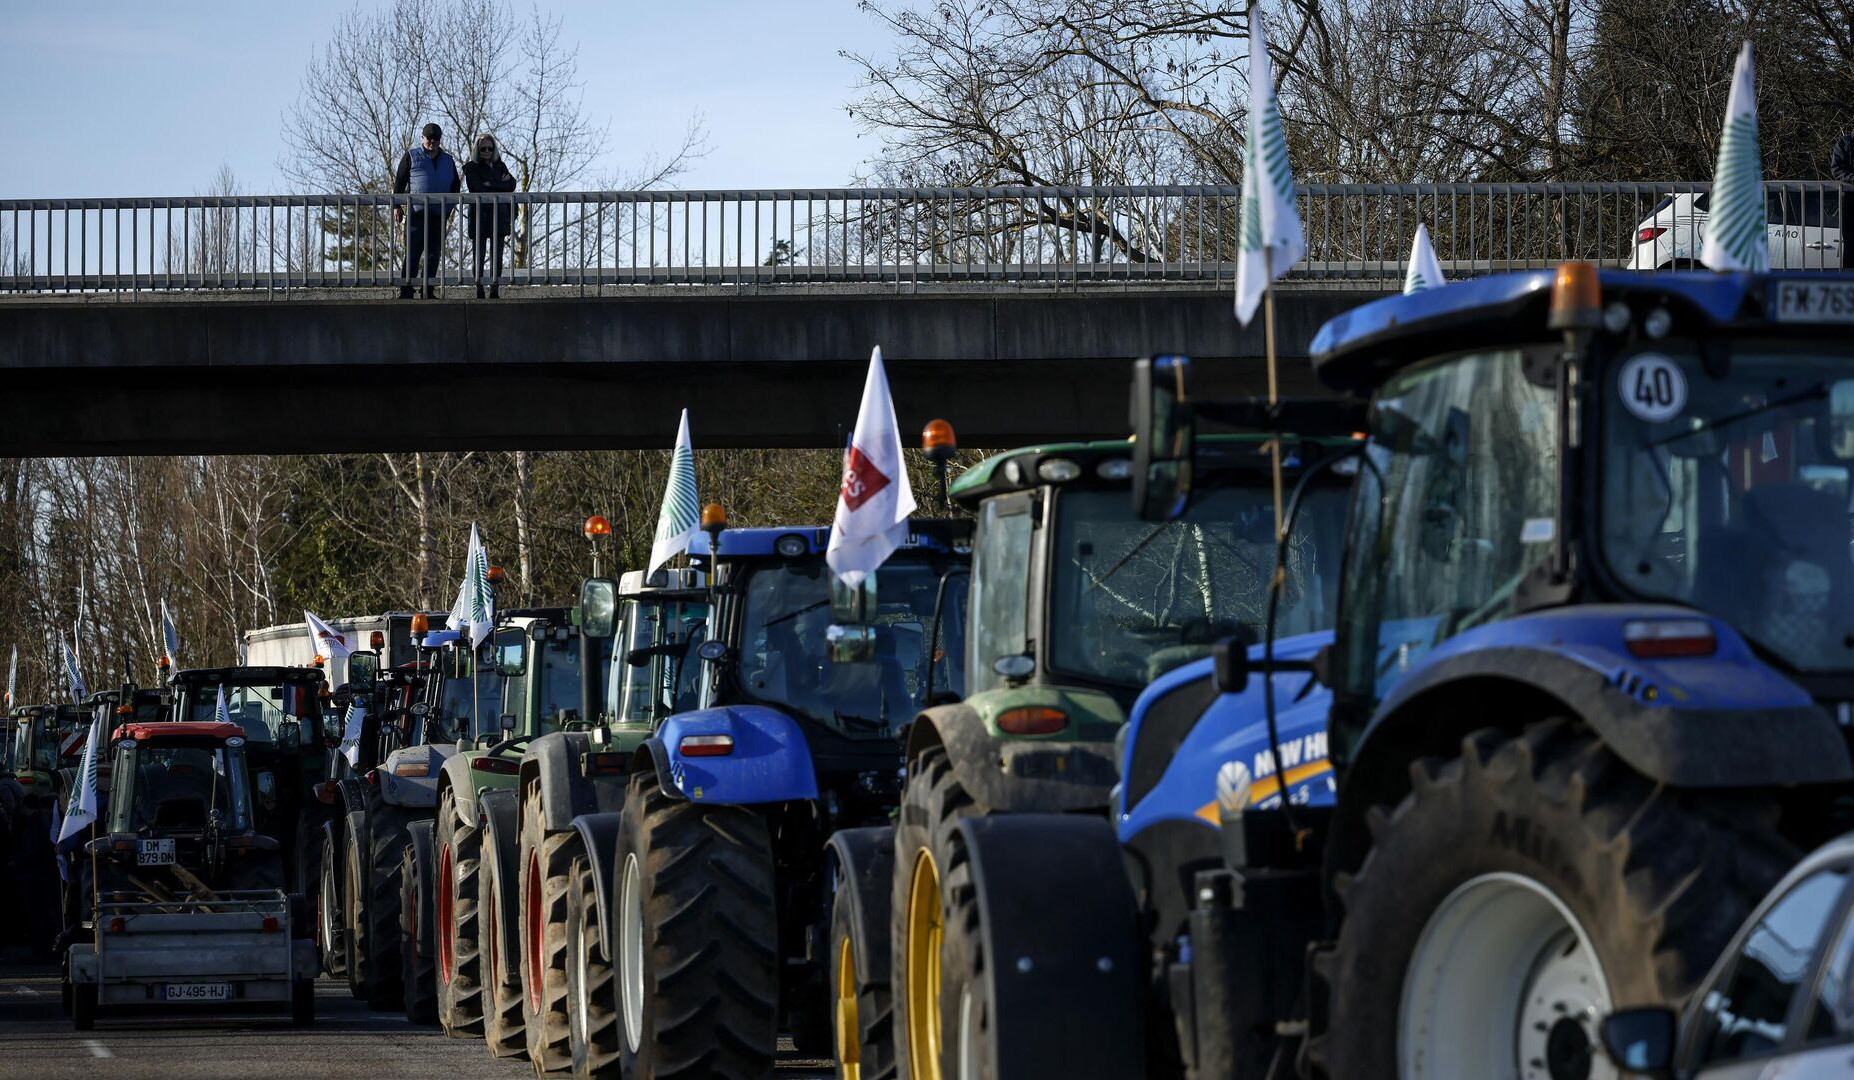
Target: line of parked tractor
1447 729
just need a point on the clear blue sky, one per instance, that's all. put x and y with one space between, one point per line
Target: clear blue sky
112 97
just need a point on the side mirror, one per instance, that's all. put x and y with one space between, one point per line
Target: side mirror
1164 434
332 730
1230 661
598 607
511 651
1641 1040
853 644
363 669
289 735
507 723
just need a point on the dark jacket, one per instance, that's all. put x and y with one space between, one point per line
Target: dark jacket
492 177
1841 162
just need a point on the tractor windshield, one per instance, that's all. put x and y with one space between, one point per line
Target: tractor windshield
260 710
469 706
658 637
782 645
1726 487
178 787
1131 599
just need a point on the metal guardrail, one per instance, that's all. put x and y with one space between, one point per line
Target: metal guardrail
1060 237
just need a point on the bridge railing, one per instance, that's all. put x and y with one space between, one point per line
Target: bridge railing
1061 237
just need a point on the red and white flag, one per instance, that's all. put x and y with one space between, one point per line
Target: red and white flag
875 500
328 641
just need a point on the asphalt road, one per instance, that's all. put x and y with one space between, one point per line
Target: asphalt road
348 1040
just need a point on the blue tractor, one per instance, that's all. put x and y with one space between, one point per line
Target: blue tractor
1588 697
712 882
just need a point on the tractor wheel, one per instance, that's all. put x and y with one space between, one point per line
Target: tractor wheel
460 992
1519 893
698 978
502 1005
546 869
375 839
302 1003
592 989
303 857
331 938
84 1007
934 907
418 976
863 1013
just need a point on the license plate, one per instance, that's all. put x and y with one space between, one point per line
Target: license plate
1815 301
154 853
196 992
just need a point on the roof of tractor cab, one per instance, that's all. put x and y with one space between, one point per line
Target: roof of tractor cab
990 477
249 676
924 534
179 729
1356 351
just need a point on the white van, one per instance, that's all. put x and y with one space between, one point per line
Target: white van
1804 229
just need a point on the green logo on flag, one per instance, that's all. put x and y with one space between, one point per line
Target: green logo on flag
679 513
1738 223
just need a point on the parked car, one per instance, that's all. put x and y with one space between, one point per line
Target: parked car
1804 228
1780 1001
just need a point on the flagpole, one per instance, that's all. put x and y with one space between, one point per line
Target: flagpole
1268 344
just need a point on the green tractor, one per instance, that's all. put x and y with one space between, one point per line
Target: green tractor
1076 604
47 741
535 656
570 783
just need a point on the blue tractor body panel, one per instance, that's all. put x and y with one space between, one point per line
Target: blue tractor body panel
1234 729
770 761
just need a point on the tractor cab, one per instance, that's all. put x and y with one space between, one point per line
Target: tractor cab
180 814
280 711
657 622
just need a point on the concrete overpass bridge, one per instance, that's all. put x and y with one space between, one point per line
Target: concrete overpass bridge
271 324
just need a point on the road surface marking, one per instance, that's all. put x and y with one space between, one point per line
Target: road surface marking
97 1049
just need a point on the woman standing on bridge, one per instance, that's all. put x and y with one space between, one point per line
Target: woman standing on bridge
490 221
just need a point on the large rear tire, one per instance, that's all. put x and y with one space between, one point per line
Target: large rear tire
863 1020
546 868
697 930
376 837
503 1029
418 968
460 990
933 897
1521 891
593 1032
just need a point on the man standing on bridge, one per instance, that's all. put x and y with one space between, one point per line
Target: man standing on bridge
425 170
1841 167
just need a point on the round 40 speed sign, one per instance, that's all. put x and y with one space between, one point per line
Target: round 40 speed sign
1652 388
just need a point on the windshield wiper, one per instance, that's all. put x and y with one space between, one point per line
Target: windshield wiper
795 614
1151 534
1818 391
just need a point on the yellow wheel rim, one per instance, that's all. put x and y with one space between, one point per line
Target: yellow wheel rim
849 1043
925 930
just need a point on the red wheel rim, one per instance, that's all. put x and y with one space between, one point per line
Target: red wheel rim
447 925
531 932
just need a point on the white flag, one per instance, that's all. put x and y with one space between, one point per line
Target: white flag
1271 239
875 499
681 516
1737 236
82 809
12 676
221 712
475 609
170 637
351 733
327 640
78 691
1425 270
